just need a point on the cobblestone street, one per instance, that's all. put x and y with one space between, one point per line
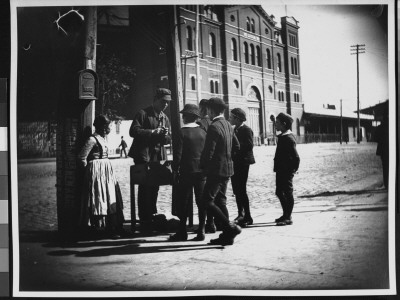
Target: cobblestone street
324 167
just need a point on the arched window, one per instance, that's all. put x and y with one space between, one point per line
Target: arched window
292 65
253 26
258 56
213 46
252 55
248 24
298 126
211 86
193 82
295 67
269 63
246 52
216 87
189 38
281 96
279 67
234 49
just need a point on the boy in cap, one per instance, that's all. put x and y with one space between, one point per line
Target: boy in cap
286 163
241 165
186 163
216 161
150 130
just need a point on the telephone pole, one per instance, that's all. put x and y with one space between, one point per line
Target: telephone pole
358 49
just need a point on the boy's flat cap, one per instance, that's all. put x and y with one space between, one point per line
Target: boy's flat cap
164 94
285 118
239 113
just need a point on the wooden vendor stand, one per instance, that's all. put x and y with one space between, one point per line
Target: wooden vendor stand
152 173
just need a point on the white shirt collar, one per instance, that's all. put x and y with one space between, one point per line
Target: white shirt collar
217 117
190 125
286 132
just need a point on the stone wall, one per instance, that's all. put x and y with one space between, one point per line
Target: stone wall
36 139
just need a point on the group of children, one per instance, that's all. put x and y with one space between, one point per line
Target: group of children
208 151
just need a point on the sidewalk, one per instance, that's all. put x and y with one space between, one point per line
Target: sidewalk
337 242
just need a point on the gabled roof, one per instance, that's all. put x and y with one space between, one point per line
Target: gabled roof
261 11
335 112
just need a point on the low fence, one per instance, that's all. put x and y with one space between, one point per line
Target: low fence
302 139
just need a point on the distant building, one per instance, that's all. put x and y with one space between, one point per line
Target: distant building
324 123
379 111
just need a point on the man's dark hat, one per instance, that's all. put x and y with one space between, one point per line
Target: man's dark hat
239 113
285 118
163 94
216 104
191 109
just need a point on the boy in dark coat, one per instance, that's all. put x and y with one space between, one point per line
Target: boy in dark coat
241 165
286 164
216 161
186 163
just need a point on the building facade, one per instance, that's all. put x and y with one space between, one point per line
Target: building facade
245 59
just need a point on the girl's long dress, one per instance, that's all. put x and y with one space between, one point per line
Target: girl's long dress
101 197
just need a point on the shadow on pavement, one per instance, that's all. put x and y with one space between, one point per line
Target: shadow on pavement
132 249
334 193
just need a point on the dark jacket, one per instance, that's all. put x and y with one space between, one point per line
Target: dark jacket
145 146
286 157
216 158
123 144
187 150
245 155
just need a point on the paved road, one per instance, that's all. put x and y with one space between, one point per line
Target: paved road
339 240
324 167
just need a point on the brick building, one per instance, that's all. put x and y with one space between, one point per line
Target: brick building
243 57
246 59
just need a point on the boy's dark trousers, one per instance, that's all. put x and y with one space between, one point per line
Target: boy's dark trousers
239 187
214 192
284 191
187 183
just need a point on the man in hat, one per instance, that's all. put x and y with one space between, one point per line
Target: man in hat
216 161
286 164
150 130
186 163
241 165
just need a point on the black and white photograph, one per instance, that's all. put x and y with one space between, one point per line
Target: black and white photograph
181 148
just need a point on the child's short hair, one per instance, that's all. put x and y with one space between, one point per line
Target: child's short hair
190 118
217 105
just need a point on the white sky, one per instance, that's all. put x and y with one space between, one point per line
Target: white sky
328 70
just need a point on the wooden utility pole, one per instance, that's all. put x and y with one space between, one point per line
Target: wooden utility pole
174 70
357 49
90 60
